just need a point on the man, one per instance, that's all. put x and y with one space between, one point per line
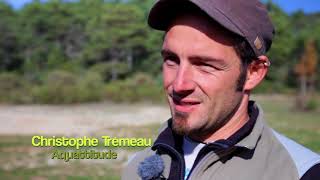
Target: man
213 56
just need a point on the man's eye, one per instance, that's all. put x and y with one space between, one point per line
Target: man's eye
206 67
170 62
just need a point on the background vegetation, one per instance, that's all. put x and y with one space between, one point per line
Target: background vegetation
80 51
65 52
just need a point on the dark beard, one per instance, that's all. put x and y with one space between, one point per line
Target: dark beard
181 128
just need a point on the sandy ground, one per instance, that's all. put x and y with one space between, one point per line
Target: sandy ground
82 119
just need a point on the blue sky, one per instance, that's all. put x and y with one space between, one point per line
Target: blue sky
308 6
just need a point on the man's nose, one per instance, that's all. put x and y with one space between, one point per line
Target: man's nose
184 82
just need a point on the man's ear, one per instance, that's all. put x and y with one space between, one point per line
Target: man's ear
256 72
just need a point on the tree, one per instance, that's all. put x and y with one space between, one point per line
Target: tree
9 44
117 35
306 70
282 46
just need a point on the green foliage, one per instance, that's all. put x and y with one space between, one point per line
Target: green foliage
110 38
106 69
90 88
59 86
282 47
14 89
312 105
65 87
9 42
269 87
140 87
72 66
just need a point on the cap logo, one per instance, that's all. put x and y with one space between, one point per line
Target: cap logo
258 43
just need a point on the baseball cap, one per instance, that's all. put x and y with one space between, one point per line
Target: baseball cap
246 18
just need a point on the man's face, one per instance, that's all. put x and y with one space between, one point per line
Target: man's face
200 73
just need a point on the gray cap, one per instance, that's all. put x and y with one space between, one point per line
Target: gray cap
247 18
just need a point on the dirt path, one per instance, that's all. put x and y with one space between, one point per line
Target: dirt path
82 119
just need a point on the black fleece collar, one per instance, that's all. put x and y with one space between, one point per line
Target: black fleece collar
170 138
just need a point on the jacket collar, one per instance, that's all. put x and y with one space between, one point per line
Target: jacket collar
246 137
168 137
250 141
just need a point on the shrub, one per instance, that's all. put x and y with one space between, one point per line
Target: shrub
14 89
58 87
272 87
90 87
140 87
61 87
106 69
311 105
65 87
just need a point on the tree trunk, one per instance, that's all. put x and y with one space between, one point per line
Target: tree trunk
312 81
114 71
130 60
302 97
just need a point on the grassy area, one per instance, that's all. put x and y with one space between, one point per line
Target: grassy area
19 160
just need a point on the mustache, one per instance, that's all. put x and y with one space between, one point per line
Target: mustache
179 96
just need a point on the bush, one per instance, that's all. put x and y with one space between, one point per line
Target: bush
106 69
311 105
90 88
272 87
58 87
14 89
141 87
65 87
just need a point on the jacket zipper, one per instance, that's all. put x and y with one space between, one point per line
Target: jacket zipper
178 155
